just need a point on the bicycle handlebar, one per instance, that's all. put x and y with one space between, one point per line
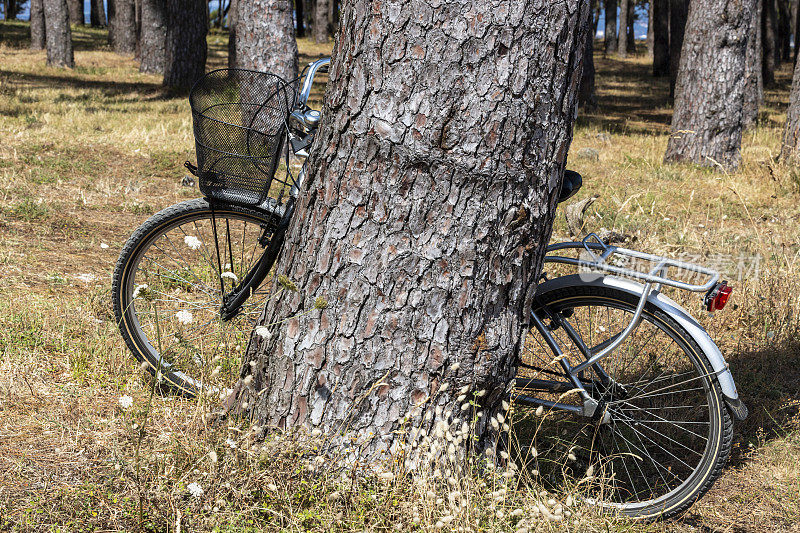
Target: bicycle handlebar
309 79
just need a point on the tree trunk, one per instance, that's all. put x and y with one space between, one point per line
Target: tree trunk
153 36
587 98
38 31
784 31
754 84
122 26
678 9
75 11
58 34
631 34
333 15
650 29
137 17
321 21
233 16
660 37
185 43
790 150
597 8
769 45
610 34
10 9
97 15
796 33
622 37
299 19
423 220
709 97
265 37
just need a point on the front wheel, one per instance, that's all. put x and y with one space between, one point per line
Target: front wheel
168 286
668 434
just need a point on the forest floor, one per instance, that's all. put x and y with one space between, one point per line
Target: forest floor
87 155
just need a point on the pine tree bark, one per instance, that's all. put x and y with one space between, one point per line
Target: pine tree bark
622 37
333 15
75 11
122 26
709 98
587 99
660 38
321 34
265 38
631 34
650 30
300 18
769 45
424 218
790 148
754 84
678 10
153 36
38 29
784 31
97 13
233 16
610 34
58 34
185 43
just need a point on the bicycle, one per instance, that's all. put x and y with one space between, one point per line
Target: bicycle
653 423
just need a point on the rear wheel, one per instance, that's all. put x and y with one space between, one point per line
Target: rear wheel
667 435
168 286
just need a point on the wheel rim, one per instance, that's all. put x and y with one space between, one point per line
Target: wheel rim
171 298
661 404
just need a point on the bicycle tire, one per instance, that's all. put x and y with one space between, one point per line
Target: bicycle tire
720 426
125 284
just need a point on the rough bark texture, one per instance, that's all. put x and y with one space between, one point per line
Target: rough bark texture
768 39
185 44
58 34
678 10
423 221
122 26
587 99
153 36
660 37
791 135
233 16
300 18
622 38
321 34
75 11
265 37
754 84
709 97
610 34
38 31
97 14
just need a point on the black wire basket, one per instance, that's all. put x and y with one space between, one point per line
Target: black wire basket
239 121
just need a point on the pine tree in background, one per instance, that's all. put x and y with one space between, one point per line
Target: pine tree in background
320 31
122 26
678 11
185 44
790 149
660 37
754 83
265 38
38 30
75 11
58 34
97 13
610 33
153 36
622 37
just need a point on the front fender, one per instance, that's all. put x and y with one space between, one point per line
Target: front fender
679 314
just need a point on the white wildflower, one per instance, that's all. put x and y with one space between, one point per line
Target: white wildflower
192 242
139 289
248 379
231 443
184 316
195 490
272 486
213 456
230 276
104 246
386 476
263 332
125 401
539 410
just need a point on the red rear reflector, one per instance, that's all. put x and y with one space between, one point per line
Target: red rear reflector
718 296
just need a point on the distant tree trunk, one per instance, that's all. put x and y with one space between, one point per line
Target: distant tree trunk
790 149
597 8
610 34
678 10
796 19
660 37
75 11
754 84
265 37
403 227
153 36
321 21
185 44
622 37
631 34
333 15
586 95
97 14
784 30
38 31
769 45
10 9
299 18
58 34
122 26
137 17
709 98
233 17
650 29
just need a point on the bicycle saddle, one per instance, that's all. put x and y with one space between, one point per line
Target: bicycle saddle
571 184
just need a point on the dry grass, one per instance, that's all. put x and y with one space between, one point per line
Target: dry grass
87 155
